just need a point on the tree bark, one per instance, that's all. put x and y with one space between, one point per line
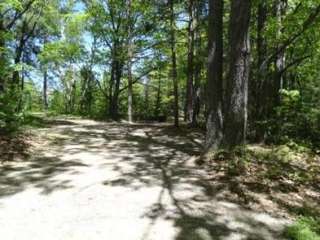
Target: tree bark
280 60
312 18
129 65
198 65
45 89
130 118
174 64
214 135
114 87
2 56
26 34
17 58
114 108
190 67
235 126
111 86
19 15
261 85
45 81
146 99
158 99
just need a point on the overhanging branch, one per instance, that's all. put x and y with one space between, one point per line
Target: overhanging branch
307 23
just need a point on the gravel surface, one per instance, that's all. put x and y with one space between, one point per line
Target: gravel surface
90 180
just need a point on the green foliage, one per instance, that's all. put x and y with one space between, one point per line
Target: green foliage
7 4
239 160
14 104
281 162
305 228
57 102
295 120
11 116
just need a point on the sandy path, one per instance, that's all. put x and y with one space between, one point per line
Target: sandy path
91 180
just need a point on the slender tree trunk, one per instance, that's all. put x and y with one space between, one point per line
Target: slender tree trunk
24 60
280 61
84 88
130 119
261 85
111 87
158 100
261 40
2 56
45 81
45 88
130 65
190 68
198 67
73 91
235 126
215 119
146 99
196 95
18 54
174 64
17 60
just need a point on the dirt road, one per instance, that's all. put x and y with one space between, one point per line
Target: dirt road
90 180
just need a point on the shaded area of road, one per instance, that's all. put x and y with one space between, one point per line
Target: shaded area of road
94 180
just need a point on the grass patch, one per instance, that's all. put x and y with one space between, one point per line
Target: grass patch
34 120
305 228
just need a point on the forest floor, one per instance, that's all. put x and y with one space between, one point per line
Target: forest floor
83 179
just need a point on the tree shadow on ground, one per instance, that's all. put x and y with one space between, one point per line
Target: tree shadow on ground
41 122
13 147
280 188
156 156
39 173
21 169
145 156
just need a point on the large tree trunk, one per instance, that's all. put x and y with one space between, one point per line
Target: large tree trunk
114 87
114 106
190 68
174 64
214 134
235 126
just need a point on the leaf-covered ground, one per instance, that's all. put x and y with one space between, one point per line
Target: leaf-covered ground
280 180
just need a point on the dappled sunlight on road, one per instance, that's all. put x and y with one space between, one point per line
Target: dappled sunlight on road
95 180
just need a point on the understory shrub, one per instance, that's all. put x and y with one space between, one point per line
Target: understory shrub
295 120
11 111
305 228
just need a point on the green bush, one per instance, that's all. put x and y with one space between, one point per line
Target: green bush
11 111
305 228
295 120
